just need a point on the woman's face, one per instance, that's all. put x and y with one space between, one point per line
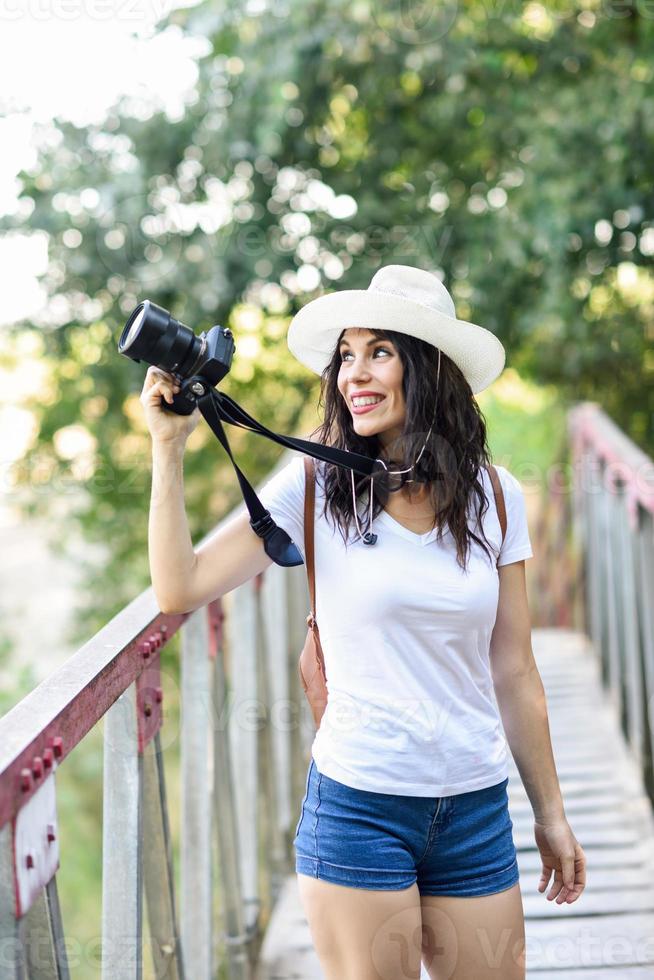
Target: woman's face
371 365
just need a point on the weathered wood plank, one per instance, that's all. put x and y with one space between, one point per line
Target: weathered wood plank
623 901
597 973
569 942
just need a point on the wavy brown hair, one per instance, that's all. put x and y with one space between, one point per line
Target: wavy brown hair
451 462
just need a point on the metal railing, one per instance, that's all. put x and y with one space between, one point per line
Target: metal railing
613 494
245 739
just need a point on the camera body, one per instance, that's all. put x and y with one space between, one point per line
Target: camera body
152 335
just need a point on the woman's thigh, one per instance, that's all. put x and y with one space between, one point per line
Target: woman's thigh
363 933
481 937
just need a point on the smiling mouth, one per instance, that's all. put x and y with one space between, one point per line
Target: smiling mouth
378 398
358 409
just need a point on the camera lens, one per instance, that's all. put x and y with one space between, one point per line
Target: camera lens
133 330
151 334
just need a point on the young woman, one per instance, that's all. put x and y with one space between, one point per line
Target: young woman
404 846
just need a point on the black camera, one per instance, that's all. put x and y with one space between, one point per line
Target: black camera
197 362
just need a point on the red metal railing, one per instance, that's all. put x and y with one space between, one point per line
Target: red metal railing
614 525
116 677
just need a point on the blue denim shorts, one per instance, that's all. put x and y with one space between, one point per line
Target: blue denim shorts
449 845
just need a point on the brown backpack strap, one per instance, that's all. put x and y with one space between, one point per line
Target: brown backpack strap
309 498
499 499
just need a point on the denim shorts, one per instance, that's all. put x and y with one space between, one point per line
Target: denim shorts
449 845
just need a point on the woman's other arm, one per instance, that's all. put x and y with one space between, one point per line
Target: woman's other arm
520 694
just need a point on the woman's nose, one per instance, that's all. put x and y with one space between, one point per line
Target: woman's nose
359 368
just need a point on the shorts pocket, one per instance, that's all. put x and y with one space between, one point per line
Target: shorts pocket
304 800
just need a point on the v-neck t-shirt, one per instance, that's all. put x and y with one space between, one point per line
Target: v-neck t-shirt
406 633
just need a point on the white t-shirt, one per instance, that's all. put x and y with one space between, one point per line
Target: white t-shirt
405 634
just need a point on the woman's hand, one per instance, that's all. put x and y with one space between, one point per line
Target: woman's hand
562 853
165 426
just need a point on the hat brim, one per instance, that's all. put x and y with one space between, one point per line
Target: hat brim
314 330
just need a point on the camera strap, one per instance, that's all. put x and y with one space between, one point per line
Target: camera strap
217 407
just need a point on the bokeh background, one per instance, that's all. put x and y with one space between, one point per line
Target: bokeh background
233 161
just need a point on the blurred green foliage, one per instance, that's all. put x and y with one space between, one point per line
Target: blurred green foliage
509 149
16 682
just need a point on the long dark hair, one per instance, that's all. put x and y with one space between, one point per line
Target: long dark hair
456 448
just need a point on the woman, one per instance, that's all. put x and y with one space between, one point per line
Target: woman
404 846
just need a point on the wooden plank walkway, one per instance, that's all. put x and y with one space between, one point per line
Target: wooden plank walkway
609 931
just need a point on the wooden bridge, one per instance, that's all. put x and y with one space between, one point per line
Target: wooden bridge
245 738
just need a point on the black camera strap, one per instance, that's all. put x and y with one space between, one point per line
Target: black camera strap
216 406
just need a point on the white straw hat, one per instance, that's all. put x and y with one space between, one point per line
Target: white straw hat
402 298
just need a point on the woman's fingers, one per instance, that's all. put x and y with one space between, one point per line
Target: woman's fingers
155 374
157 381
157 388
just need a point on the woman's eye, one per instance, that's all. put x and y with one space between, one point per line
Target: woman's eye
345 353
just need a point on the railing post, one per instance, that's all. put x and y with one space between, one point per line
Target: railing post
579 537
629 632
243 724
12 948
158 867
298 603
645 580
196 877
610 598
273 693
591 506
235 936
121 842
46 952
281 713
31 934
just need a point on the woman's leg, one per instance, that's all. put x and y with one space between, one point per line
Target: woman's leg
477 937
361 933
